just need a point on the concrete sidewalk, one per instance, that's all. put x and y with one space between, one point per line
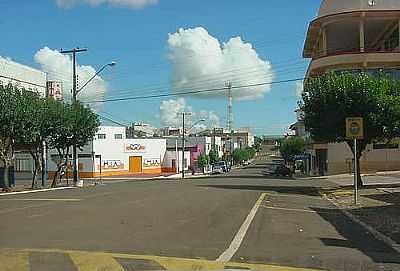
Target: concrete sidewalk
145 177
382 179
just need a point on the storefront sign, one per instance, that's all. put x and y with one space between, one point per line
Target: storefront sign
152 162
136 147
112 164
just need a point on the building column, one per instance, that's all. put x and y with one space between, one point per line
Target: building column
362 36
399 35
324 42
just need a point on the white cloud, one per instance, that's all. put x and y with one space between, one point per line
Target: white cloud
169 112
201 62
169 115
59 68
299 88
134 4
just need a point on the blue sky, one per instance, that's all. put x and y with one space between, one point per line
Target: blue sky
137 40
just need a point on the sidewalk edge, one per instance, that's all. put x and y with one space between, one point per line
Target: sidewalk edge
378 235
37 191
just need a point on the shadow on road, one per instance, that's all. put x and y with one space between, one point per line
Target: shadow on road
249 176
355 236
299 190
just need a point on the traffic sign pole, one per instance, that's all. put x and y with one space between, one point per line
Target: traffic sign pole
355 173
355 130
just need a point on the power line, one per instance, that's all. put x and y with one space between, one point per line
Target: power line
22 81
111 120
193 92
205 83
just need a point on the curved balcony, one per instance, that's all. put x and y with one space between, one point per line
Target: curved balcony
355 60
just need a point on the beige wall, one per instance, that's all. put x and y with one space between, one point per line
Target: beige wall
340 159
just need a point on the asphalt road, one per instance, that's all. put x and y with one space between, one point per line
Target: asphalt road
242 217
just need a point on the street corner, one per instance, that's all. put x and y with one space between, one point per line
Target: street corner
35 259
336 193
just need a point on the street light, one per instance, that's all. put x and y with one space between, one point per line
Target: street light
75 92
183 139
197 122
111 64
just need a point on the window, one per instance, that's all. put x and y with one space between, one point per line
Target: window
386 146
101 136
117 136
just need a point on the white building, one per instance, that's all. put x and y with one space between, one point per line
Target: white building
30 79
206 142
139 128
111 154
22 76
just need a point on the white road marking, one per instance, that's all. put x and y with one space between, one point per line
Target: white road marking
40 199
227 255
289 209
36 191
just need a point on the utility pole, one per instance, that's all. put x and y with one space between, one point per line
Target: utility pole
74 100
183 141
229 118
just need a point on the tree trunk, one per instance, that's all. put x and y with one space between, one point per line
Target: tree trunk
34 185
36 168
360 148
54 182
6 184
360 183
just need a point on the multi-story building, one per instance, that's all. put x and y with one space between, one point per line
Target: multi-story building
354 35
22 76
31 79
139 129
170 131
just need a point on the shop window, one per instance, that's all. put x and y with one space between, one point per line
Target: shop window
117 136
379 146
101 136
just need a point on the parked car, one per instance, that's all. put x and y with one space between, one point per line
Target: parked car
245 163
279 170
218 169
223 165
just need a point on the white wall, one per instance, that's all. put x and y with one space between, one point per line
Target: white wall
114 154
171 155
114 151
22 76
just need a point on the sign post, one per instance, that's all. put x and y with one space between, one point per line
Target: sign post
355 130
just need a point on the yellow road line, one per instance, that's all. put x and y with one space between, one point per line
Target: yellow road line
86 261
94 261
12 261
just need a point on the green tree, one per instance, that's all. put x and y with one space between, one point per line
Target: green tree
213 156
36 129
240 155
203 161
258 141
290 147
329 99
16 123
250 153
72 124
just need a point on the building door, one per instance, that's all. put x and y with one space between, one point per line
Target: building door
135 164
322 156
174 164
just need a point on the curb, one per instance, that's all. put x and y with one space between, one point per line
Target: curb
37 191
378 235
371 186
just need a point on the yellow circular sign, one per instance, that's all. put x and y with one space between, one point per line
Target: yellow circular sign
355 128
